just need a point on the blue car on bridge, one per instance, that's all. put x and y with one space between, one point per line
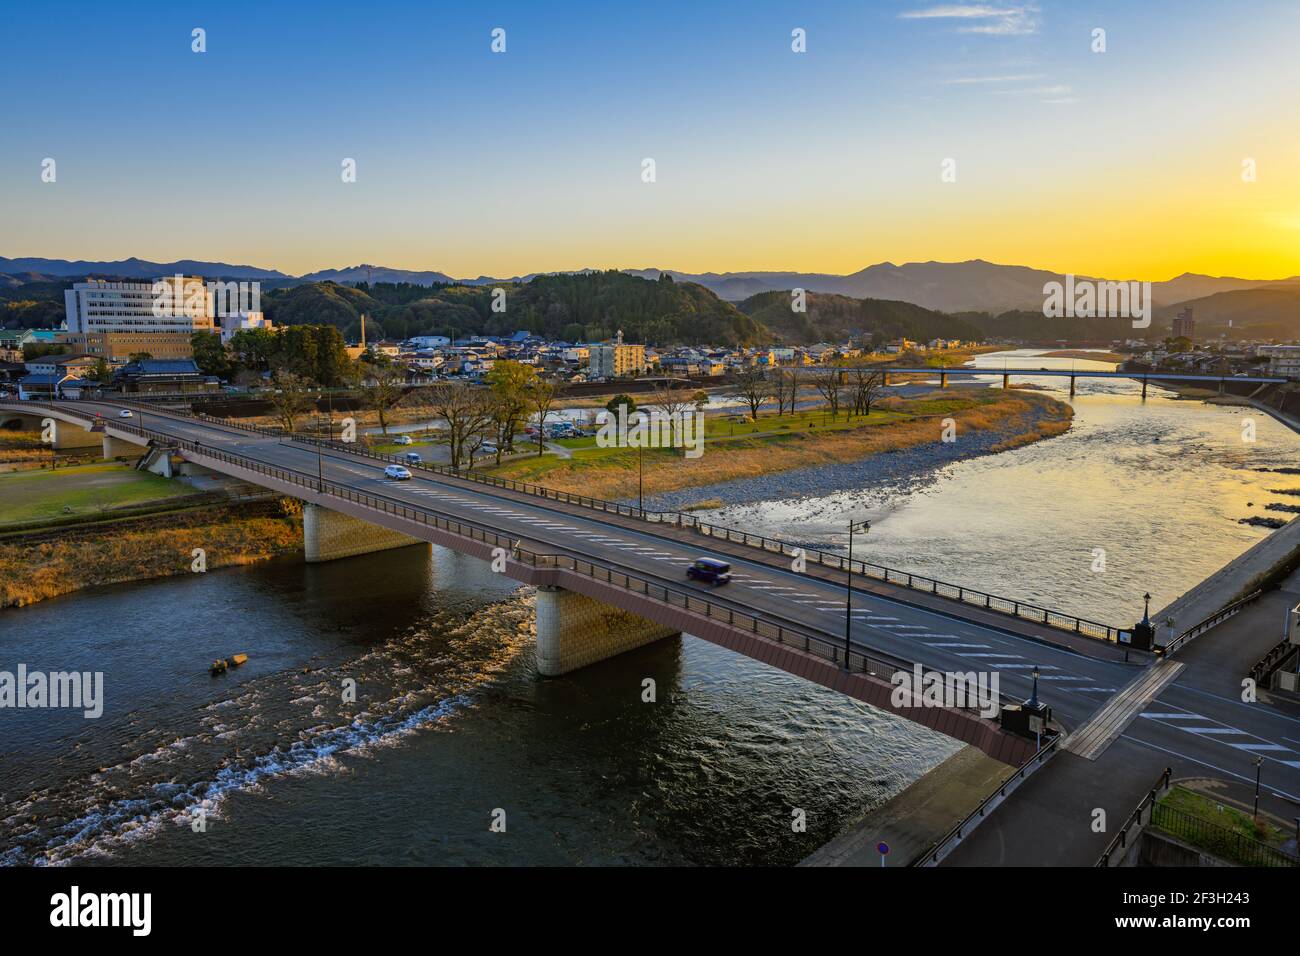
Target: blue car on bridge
710 571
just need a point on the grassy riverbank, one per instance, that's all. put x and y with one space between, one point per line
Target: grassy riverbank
80 489
52 561
775 444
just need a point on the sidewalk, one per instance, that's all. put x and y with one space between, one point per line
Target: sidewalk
913 820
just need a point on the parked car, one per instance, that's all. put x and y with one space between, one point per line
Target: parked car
414 458
403 440
489 448
710 571
397 473
124 413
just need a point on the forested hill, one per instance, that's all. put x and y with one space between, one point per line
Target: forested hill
580 307
833 318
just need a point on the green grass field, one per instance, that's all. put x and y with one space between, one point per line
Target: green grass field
1220 814
33 495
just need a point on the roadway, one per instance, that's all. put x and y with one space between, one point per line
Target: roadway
1189 719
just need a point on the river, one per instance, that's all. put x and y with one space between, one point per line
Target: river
450 724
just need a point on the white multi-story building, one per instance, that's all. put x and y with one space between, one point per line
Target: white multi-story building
428 341
1282 359
173 304
242 321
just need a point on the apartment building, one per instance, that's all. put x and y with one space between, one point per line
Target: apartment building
175 304
616 360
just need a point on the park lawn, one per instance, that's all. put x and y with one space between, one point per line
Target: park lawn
768 448
33 495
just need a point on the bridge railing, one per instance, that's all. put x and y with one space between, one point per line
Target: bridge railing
1218 617
771 626
1011 607
941 847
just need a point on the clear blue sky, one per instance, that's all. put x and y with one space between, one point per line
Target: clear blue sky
468 162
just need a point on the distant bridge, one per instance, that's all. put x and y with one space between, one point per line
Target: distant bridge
1072 374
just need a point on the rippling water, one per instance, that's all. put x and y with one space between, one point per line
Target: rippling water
451 723
1158 485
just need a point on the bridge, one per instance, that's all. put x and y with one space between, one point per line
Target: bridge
1144 377
610 577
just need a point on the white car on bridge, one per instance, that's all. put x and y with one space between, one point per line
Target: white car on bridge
124 413
397 473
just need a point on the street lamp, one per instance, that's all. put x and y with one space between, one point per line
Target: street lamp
865 526
640 482
1033 694
1259 766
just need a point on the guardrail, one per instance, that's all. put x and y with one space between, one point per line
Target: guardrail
918 582
1023 610
1266 665
1120 841
1218 617
773 627
941 847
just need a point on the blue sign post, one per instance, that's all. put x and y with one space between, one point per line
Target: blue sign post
883 848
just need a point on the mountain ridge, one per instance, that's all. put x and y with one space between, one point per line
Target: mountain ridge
973 285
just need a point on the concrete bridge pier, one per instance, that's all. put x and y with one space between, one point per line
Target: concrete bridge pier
574 630
328 535
66 434
1144 389
121 448
943 379
1006 381
1072 386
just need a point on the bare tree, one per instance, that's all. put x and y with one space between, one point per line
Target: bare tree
380 388
865 384
674 402
830 385
542 393
754 388
467 412
786 386
291 396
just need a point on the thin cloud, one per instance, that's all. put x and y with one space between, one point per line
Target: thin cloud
974 80
1057 90
982 18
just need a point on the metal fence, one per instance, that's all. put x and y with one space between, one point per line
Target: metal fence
1220 841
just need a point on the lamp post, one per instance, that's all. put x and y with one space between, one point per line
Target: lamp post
1259 766
848 589
640 482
